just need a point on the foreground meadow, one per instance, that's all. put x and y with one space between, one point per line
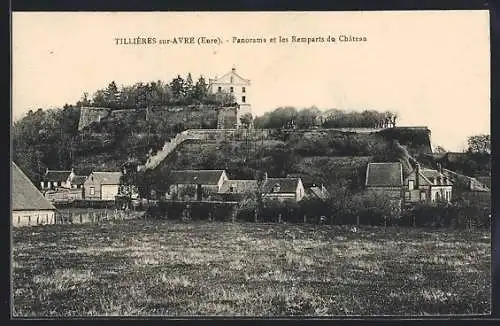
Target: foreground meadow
245 269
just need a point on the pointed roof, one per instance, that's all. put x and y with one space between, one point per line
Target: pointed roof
79 180
281 185
25 196
239 186
204 177
227 76
56 175
107 178
384 174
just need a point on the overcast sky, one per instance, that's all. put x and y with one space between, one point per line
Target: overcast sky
431 67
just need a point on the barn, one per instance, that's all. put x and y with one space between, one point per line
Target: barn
28 207
102 185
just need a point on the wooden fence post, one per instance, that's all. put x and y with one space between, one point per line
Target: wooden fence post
305 218
279 218
81 218
357 220
38 219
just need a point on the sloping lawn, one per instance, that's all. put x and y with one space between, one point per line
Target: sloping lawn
245 269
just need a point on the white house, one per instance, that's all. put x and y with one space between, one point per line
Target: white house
236 85
102 185
61 179
29 207
283 189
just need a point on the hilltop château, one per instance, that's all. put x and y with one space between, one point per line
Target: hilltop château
234 84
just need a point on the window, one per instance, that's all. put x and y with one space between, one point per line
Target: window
231 89
232 79
243 99
276 188
407 195
411 185
92 191
243 89
231 189
422 196
219 89
55 183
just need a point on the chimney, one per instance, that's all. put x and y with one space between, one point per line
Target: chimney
417 175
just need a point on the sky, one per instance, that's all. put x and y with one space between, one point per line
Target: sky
431 67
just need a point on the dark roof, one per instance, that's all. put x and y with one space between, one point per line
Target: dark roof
485 180
25 196
384 175
286 185
56 176
307 180
240 186
78 179
319 192
204 177
107 178
434 175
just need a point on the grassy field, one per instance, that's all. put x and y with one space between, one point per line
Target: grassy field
245 269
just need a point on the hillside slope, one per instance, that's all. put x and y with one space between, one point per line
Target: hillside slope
330 157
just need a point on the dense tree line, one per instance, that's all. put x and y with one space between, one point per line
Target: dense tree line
292 118
179 91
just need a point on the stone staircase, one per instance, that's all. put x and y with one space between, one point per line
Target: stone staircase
169 147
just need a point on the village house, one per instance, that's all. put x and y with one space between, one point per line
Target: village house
312 190
283 189
29 206
195 184
61 179
385 179
102 185
233 83
427 185
420 185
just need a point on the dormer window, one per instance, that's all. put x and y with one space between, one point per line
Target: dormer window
219 89
231 188
243 90
231 89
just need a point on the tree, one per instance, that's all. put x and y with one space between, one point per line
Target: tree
111 95
200 89
479 144
306 118
246 120
177 85
189 86
84 101
440 150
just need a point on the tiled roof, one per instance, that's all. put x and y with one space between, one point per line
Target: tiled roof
435 176
204 177
281 185
239 186
78 179
56 176
106 178
25 196
384 175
